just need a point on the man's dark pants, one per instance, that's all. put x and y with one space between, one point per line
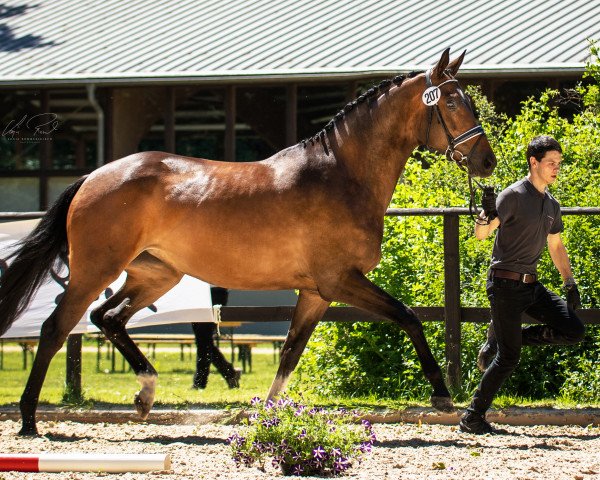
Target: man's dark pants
206 353
508 300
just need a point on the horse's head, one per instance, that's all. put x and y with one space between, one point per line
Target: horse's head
450 123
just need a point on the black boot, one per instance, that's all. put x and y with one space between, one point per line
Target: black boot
488 351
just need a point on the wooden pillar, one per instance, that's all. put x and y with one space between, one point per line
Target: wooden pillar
291 115
351 91
230 123
452 298
73 376
45 154
170 120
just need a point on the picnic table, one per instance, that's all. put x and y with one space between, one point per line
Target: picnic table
27 344
243 342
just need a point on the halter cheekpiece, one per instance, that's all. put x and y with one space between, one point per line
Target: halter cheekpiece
462 160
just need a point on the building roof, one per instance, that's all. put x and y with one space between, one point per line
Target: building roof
83 41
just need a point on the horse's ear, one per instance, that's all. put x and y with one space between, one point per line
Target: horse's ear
438 70
455 64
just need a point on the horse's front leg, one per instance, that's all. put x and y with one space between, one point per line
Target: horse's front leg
309 310
355 289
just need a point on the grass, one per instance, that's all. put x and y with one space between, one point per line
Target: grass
104 388
117 388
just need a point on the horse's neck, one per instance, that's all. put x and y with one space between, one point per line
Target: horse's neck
377 143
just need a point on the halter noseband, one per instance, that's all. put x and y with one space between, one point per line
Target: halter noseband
463 160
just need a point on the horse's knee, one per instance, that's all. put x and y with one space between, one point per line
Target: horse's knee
108 320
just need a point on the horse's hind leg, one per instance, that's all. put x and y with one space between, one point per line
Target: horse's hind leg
147 280
52 336
309 310
357 290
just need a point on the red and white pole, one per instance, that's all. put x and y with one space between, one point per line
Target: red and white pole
84 462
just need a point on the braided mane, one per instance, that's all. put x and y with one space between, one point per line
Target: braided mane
371 93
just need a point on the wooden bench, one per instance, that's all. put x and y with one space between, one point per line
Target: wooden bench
27 344
243 342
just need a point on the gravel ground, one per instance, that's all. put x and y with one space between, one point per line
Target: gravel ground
405 451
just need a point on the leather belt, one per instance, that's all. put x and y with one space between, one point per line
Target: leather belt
521 277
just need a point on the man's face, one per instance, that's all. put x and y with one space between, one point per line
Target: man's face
548 167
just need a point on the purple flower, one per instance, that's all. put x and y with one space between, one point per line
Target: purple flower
367 424
299 410
270 447
297 470
253 417
269 405
302 434
336 452
284 447
297 456
276 460
319 452
255 401
312 411
258 446
340 464
365 447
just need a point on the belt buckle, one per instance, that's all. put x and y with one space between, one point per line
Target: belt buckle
524 278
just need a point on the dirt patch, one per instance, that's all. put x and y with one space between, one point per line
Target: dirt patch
407 451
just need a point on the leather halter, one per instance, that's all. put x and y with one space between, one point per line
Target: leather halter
463 160
453 142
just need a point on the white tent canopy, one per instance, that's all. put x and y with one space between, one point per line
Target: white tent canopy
187 302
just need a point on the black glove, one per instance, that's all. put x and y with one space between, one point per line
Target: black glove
573 297
488 203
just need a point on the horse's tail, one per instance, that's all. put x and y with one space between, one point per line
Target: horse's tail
35 255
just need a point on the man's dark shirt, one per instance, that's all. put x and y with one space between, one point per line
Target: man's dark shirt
527 217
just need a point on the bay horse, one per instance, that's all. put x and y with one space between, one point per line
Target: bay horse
309 218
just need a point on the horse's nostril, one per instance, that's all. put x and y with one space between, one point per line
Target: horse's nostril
489 163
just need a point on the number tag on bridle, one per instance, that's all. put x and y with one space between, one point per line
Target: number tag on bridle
431 96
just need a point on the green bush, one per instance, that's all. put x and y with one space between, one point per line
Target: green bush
365 359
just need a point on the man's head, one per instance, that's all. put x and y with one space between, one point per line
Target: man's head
544 155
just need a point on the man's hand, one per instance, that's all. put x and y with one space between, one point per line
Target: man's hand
573 297
488 203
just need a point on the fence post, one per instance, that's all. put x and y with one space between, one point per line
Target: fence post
452 298
73 376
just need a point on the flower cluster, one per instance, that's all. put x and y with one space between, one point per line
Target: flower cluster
301 440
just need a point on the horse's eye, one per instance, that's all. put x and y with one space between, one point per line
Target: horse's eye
451 104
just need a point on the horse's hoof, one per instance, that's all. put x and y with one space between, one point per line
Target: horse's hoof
143 408
28 431
443 404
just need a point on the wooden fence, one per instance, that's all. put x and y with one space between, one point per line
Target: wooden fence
452 313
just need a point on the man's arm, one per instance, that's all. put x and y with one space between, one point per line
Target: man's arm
558 254
482 231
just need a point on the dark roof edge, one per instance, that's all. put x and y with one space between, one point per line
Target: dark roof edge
281 76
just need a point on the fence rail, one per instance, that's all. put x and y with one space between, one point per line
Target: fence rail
452 313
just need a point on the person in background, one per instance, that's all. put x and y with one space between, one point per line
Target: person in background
527 218
207 352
